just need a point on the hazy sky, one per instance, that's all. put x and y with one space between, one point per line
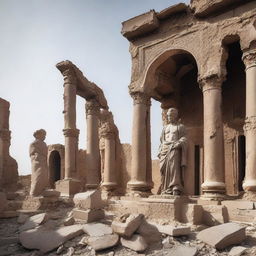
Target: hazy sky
37 34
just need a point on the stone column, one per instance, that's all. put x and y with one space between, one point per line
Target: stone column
214 176
249 59
110 176
70 131
140 148
93 151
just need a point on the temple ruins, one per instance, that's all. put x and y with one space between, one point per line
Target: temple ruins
199 62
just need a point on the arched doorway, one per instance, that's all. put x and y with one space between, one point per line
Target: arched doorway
54 167
176 85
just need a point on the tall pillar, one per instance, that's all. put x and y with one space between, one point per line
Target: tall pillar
93 151
214 176
249 59
70 185
110 175
140 144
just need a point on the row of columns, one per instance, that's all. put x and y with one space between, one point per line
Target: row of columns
214 177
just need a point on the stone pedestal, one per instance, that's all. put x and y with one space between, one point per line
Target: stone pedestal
93 151
249 183
213 185
68 187
140 178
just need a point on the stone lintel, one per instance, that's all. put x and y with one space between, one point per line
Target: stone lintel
204 8
140 25
167 12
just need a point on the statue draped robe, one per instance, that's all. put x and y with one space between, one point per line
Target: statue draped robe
172 159
39 176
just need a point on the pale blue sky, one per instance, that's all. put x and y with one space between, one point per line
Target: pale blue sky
36 34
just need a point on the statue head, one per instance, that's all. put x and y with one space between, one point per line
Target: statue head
40 134
172 115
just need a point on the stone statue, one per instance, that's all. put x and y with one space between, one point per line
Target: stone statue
172 154
38 154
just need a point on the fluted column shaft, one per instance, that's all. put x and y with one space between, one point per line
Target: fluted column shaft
93 151
214 176
249 59
70 131
140 144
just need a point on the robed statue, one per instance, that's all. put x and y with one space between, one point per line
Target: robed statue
172 154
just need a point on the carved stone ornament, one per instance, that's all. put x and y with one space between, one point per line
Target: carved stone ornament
92 107
210 82
69 77
141 98
249 58
250 124
5 134
71 132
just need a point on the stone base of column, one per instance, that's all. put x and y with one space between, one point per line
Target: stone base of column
91 186
138 186
249 185
213 190
109 186
68 187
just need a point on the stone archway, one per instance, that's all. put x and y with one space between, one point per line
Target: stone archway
55 166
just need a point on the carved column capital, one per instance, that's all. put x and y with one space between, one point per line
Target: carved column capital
249 58
71 132
5 134
250 124
92 107
141 98
107 130
69 77
210 82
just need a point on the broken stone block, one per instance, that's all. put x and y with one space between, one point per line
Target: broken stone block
192 213
46 240
214 215
88 200
50 193
103 242
237 251
182 250
136 243
69 221
174 231
34 221
3 201
88 215
222 235
149 232
127 224
97 229
22 218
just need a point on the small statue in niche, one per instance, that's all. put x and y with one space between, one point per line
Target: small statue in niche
172 154
38 153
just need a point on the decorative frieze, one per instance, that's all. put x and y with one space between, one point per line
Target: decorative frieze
210 82
71 132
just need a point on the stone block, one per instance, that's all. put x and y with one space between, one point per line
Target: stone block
139 25
238 204
88 215
214 215
149 231
127 224
103 242
34 221
46 240
182 250
51 193
68 187
90 199
174 9
97 229
174 231
136 243
237 251
69 221
192 213
222 235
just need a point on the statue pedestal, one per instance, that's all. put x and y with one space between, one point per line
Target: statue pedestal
68 187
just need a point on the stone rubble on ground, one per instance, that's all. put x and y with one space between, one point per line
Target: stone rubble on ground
34 221
103 242
136 243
